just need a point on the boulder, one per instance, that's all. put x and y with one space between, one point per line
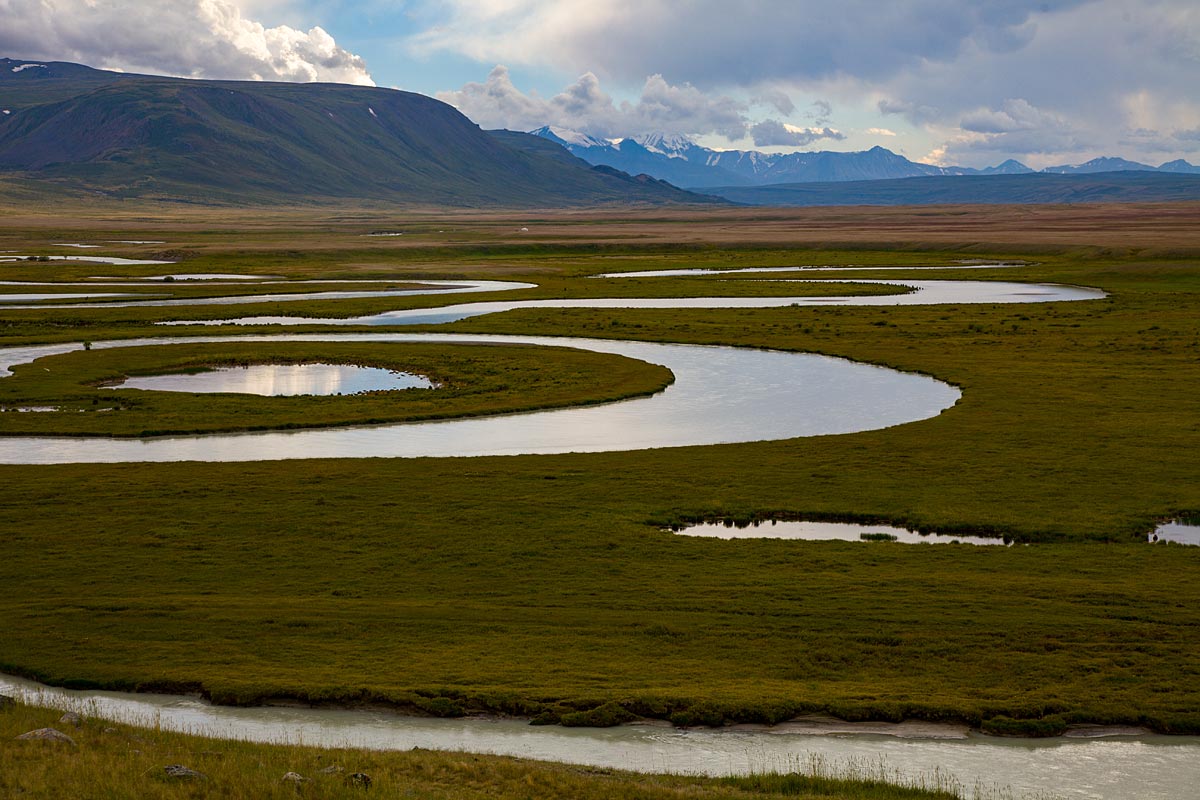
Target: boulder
359 780
71 718
180 772
294 777
48 735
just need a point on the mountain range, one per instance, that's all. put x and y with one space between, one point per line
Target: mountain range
83 130
682 162
70 130
1117 186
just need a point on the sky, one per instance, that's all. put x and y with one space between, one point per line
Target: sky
951 82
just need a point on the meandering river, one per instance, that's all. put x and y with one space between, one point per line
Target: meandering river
720 395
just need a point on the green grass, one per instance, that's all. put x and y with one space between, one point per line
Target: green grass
473 380
112 760
541 585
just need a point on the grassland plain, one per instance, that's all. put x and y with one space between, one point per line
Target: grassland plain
543 586
121 761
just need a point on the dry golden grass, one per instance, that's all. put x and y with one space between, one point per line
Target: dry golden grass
1172 226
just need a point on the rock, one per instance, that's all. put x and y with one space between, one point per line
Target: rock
180 772
294 777
71 718
359 780
6 702
48 735
332 769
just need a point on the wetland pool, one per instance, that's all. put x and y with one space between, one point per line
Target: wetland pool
812 531
1178 531
281 380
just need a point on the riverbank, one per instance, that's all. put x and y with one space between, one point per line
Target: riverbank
117 760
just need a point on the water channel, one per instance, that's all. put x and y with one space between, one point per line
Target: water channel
1097 764
720 395
921 293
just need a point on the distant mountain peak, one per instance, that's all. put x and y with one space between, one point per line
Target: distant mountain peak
664 142
568 137
1102 164
1179 165
678 159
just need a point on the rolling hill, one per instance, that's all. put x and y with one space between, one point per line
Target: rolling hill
79 129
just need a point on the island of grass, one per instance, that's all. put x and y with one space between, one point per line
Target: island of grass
471 380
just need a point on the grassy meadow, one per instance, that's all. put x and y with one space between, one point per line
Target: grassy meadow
545 586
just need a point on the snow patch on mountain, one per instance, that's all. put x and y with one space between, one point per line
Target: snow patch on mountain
570 138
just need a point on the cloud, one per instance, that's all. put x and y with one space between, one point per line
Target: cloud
776 99
1079 85
710 45
1096 70
822 111
584 106
1013 115
881 132
189 38
772 133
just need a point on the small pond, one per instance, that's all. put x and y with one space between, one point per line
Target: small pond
826 531
282 380
1180 531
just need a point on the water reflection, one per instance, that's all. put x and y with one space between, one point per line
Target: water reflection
282 380
672 273
429 287
922 293
1180 531
720 395
826 531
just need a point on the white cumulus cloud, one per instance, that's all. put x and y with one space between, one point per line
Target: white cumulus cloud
189 38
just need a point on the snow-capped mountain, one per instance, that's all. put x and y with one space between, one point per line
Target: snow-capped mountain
569 138
681 161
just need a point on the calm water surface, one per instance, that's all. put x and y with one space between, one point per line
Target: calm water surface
826 531
923 293
1178 532
282 380
720 395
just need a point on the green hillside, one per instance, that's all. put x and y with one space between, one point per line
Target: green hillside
250 142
